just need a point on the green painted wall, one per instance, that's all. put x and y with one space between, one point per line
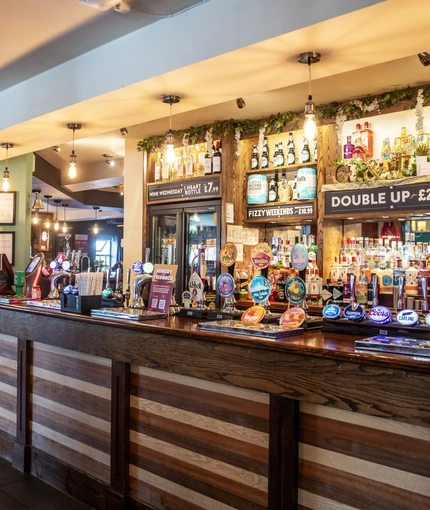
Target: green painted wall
20 169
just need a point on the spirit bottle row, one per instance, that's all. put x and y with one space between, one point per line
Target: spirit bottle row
194 161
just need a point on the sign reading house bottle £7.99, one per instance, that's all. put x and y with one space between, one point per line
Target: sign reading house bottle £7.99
390 198
192 188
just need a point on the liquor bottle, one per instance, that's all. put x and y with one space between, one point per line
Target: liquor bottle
294 189
367 140
291 155
165 171
276 155
348 148
189 164
265 155
327 292
386 154
181 165
359 151
201 155
281 158
273 190
217 160
338 293
254 158
315 150
274 252
361 289
207 163
306 153
157 172
312 249
356 134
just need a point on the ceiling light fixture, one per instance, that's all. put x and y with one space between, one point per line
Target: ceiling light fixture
6 184
47 222
169 146
95 227
310 127
123 131
55 148
56 222
72 161
109 159
37 206
64 227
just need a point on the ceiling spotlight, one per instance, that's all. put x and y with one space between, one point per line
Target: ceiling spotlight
240 102
123 131
310 127
169 152
72 161
424 58
6 185
55 148
109 159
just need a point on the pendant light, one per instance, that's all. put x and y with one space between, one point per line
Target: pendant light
47 222
72 161
64 226
95 227
37 206
109 159
169 147
56 222
310 127
6 185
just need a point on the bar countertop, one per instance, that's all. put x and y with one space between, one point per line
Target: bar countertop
316 343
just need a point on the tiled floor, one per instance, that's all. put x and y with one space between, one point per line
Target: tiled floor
22 491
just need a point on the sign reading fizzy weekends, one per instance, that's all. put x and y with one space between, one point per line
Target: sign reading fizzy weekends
191 188
280 211
389 198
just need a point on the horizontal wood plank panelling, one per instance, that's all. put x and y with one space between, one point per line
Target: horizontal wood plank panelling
362 465
186 435
70 408
8 384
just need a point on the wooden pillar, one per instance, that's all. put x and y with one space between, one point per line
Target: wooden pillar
22 446
283 453
117 496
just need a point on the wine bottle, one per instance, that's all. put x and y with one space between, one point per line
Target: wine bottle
216 160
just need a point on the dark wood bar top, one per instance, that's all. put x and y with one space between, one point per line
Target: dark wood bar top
316 367
316 342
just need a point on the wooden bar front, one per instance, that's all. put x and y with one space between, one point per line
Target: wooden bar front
162 416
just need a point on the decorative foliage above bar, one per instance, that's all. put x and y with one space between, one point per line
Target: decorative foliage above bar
291 121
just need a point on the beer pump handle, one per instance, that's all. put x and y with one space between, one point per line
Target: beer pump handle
401 301
424 306
127 287
375 283
352 279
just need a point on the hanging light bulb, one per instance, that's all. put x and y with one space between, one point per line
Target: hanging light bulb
34 218
72 160
6 175
56 222
64 226
47 222
310 127
96 227
169 146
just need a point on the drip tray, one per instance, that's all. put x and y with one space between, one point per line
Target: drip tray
270 331
395 344
133 314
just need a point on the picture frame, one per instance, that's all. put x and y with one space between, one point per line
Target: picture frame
7 245
7 207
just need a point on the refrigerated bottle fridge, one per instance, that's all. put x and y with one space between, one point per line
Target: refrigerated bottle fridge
188 236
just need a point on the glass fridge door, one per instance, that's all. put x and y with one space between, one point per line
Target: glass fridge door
202 245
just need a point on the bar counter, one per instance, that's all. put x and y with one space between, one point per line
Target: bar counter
160 415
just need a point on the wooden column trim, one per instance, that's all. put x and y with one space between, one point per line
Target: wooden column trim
283 453
120 435
22 447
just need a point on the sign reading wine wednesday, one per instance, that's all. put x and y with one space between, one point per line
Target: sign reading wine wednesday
390 198
190 188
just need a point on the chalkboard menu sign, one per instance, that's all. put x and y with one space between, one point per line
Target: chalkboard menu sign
205 187
411 197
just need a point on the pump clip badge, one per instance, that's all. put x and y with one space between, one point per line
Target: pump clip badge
259 288
228 254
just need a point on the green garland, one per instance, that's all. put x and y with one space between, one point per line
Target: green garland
291 121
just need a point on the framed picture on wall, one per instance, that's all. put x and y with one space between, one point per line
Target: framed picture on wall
7 245
7 207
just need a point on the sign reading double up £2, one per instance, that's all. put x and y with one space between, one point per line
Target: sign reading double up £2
388 198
